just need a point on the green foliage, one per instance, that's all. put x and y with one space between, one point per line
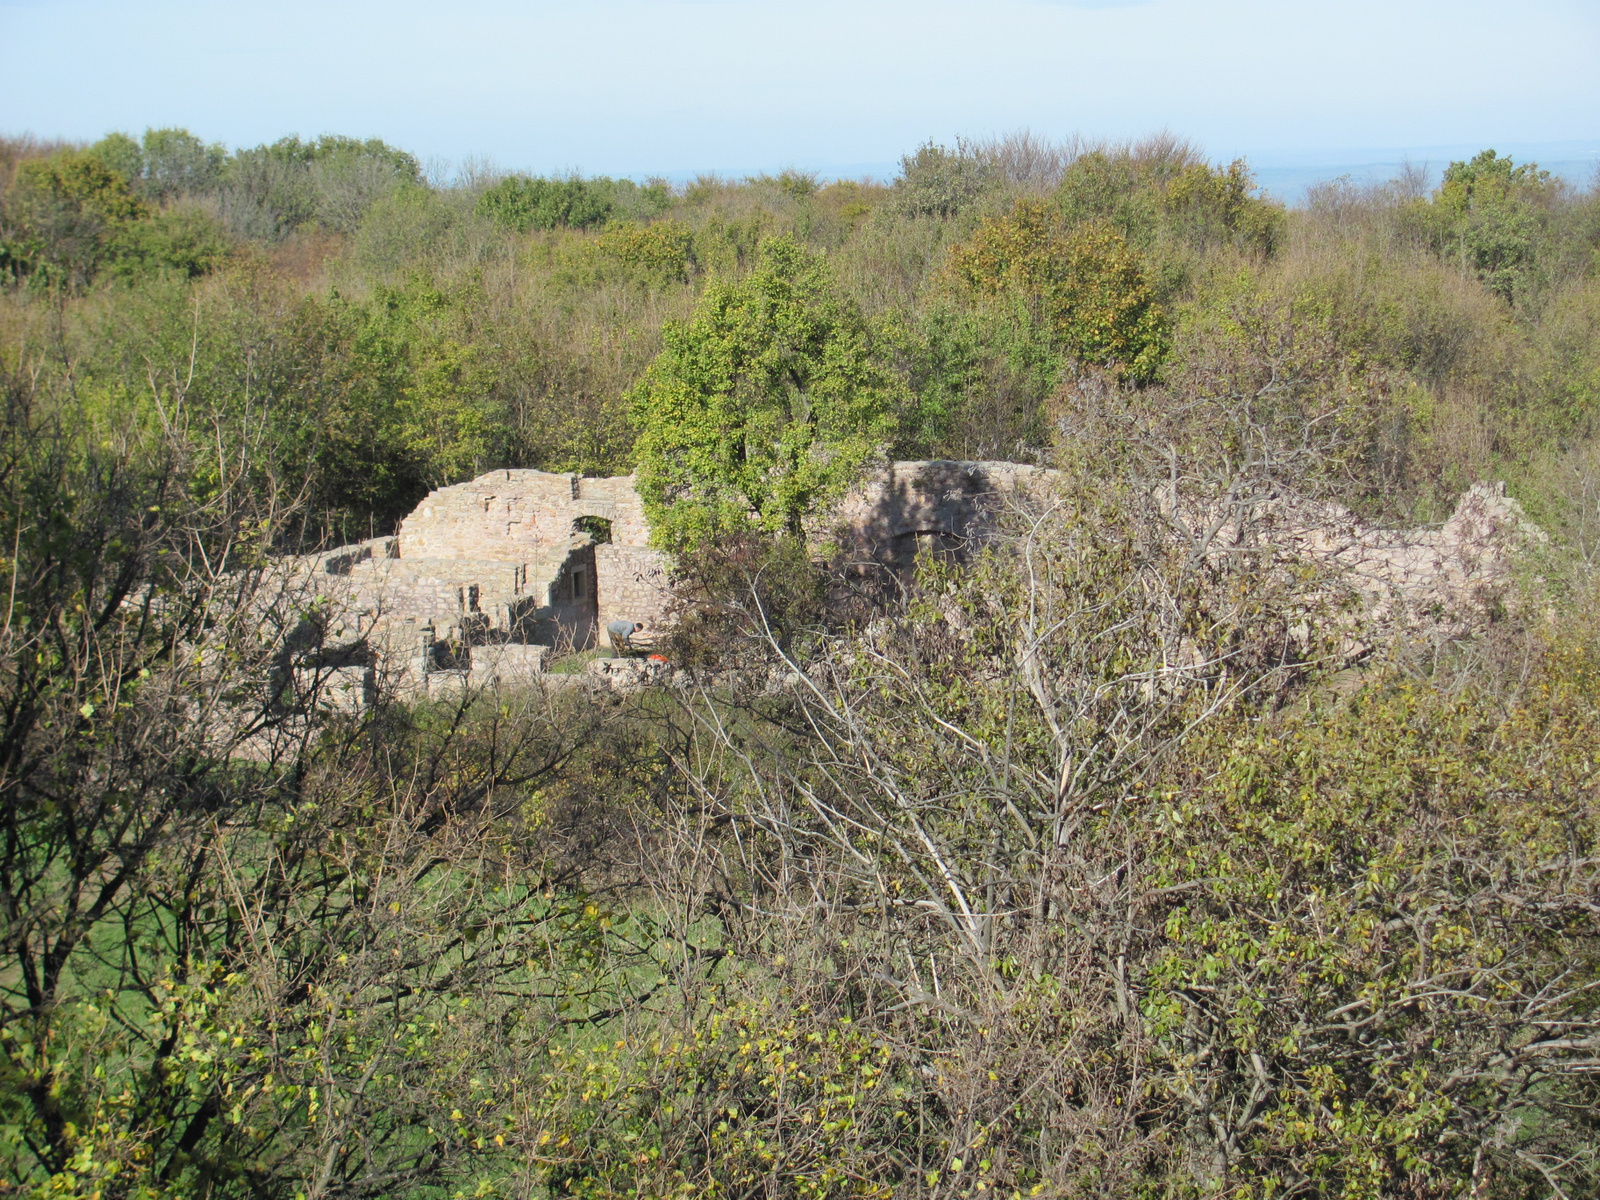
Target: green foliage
1568 359
177 163
742 1095
183 239
244 965
268 191
1086 286
1488 216
66 210
1164 192
766 405
795 184
165 164
522 203
1281 380
1058 870
660 253
414 407
980 377
935 182
81 183
398 224
120 153
1380 874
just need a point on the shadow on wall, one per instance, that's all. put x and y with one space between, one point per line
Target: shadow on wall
943 507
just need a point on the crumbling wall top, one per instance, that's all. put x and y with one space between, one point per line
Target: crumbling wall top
513 515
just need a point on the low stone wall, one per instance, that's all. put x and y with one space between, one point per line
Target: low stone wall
508 663
1445 580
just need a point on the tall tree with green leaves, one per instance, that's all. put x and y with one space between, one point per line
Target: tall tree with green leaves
762 408
1489 216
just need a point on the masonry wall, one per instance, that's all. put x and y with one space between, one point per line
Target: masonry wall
570 608
497 560
515 515
632 583
945 505
509 540
616 500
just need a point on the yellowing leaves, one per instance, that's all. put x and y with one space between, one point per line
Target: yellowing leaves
1086 285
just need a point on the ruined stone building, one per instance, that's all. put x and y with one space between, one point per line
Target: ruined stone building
494 576
502 572
508 569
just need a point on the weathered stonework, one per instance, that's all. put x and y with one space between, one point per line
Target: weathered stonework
1443 579
939 505
632 583
504 515
496 575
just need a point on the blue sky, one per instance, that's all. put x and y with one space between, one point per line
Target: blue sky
640 87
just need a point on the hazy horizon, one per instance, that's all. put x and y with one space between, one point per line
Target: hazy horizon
680 87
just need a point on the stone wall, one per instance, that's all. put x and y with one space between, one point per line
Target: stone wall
632 585
1442 581
507 516
941 504
566 620
515 515
507 558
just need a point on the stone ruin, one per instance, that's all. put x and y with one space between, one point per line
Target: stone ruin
490 579
1442 582
493 577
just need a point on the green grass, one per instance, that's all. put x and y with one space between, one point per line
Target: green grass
576 664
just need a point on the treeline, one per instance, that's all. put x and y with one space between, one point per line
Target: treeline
398 333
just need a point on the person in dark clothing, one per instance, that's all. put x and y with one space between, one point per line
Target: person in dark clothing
621 634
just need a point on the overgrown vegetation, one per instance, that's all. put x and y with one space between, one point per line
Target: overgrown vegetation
1111 862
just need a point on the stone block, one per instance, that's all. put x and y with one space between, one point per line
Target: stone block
508 662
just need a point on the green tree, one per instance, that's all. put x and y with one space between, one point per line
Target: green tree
413 402
1164 192
522 204
1087 287
936 182
176 162
269 190
122 154
1490 218
763 407
981 375
165 163
63 215
183 239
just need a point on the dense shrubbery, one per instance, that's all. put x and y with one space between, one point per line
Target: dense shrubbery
1067 871
994 272
522 204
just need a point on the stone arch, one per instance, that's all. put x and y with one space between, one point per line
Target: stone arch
597 527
